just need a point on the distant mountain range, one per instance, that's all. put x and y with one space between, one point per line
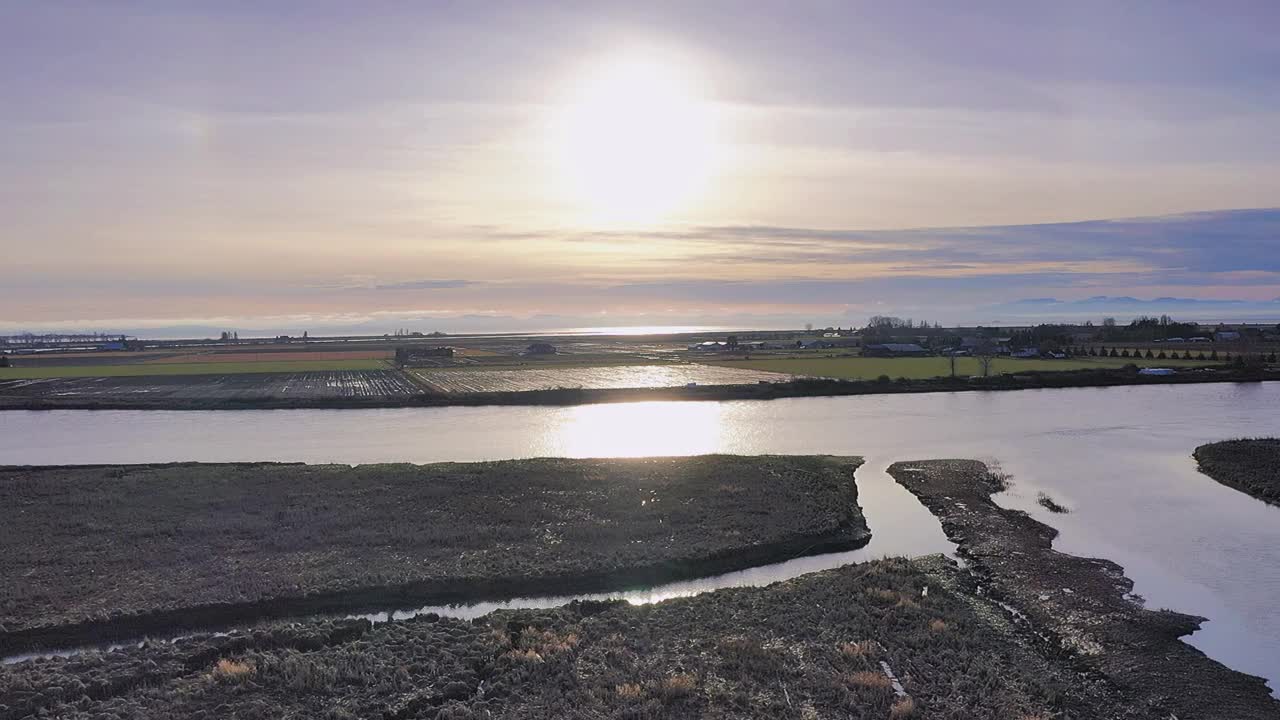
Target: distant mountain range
1124 307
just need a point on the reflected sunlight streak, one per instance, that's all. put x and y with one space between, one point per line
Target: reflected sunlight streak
639 429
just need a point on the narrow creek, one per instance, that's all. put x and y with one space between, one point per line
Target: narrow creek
900 526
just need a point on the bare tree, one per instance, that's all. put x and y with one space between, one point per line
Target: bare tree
985 352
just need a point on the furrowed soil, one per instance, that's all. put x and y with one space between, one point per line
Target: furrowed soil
194 391
103 552
1081 607
1250 466
824 645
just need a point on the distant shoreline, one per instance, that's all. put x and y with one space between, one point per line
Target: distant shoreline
807 387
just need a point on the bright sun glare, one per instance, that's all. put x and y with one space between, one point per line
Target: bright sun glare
634 140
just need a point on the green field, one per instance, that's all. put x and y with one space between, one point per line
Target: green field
187 368
869 368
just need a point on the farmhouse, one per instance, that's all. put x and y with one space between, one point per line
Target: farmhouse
709 346
894 350
828 343
409 356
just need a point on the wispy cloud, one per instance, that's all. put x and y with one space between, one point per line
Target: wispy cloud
425 285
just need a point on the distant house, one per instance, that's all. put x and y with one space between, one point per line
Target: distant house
993 346
827 343
1226 336
974 341
541 348
1026 353
421 355
708 346
894 350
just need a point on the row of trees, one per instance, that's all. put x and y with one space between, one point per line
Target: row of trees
1211 356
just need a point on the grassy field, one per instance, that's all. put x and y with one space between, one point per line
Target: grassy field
187 368
301 355
868 368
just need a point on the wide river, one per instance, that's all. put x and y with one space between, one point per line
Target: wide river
1119 458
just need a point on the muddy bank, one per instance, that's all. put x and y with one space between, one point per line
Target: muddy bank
50 395
94 553
1250 466
1081 607
829 644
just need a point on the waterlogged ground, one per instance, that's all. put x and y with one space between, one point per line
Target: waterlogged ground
590 378
1082 606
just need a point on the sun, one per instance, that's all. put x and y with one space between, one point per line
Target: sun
634 140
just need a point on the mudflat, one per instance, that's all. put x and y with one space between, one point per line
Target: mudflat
99 552
1081 608
1250 466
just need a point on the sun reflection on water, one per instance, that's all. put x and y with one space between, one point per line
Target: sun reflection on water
639 429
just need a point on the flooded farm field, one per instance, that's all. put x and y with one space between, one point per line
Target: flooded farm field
592 378
231 386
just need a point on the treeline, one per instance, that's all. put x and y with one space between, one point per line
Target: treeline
1149 354
1058 337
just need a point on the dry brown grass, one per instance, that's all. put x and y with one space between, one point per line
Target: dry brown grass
676 687
904 707
630 691
882 594
937 626
862 648
869 679
545 642
527 656
232 670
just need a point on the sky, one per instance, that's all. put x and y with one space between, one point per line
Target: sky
492 166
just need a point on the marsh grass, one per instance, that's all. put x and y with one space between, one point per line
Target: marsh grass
226 670
869 679
903 707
